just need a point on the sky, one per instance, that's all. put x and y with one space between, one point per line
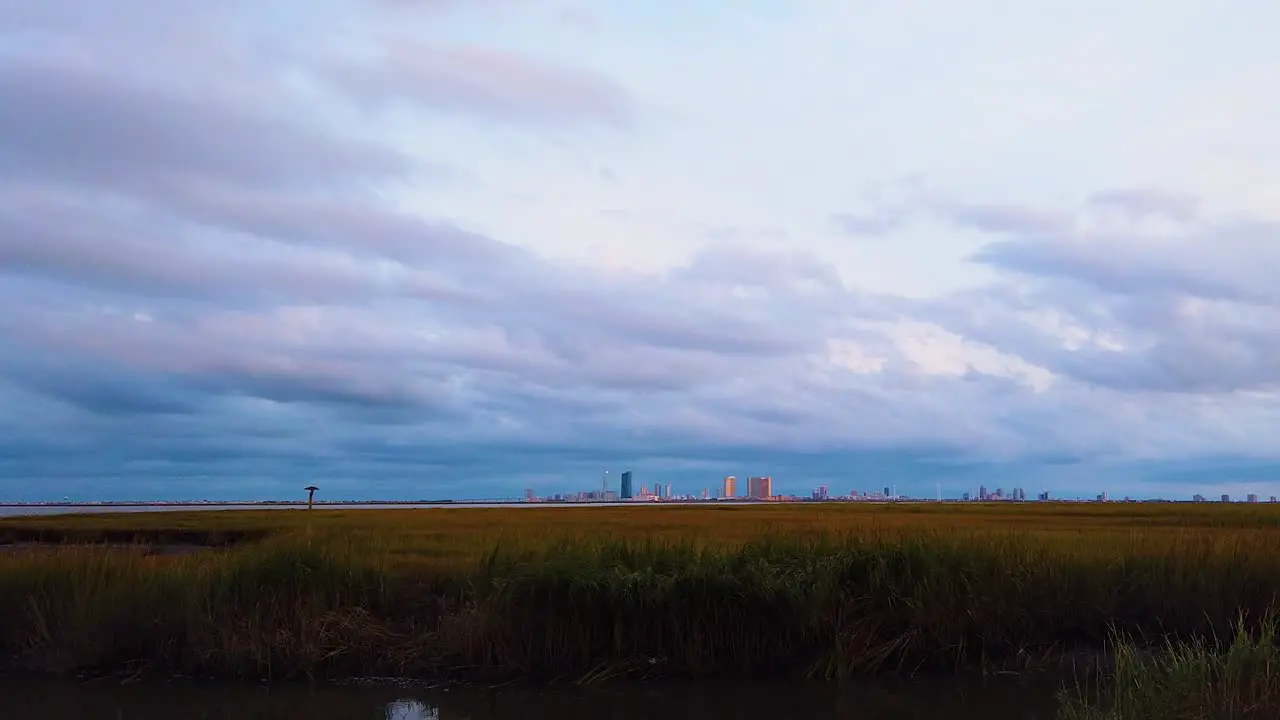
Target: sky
457 248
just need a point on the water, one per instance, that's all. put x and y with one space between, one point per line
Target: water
936 700
30 510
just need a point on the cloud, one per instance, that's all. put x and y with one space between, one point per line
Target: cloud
1008 219
1224 262
856 224
232 265
1189 311
487 82
1139 202
81 126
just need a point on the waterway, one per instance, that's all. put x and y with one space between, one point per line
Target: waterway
950 699
31 510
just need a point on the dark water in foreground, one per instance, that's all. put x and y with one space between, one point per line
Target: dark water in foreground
935 700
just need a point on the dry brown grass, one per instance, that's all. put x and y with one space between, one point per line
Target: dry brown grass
822 590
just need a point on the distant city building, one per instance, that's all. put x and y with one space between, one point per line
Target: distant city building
982 492
1252 497
528 495
1226 497
626 485
1198 498
730 487
965 497
1044 496
1103 496
706 494
668 493
887 491
822 493
1273 498
760 488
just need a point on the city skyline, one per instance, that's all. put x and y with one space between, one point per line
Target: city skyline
762 488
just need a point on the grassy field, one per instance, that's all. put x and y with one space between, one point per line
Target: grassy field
813 590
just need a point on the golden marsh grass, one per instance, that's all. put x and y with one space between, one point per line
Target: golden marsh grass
817 590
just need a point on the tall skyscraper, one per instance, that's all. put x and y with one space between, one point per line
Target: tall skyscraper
760 488
730 487
626 485
668 491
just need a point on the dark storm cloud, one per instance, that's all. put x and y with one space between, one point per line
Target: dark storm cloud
110 394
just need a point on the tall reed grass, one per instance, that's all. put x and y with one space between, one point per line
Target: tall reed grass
637 592
1237 678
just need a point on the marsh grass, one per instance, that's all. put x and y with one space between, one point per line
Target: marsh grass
594 593
1196 679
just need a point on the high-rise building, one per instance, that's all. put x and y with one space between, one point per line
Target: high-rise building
730 487
760 488
667 494
822 493
528 495
1197 498
1252 497
982 492
1226 497
626 485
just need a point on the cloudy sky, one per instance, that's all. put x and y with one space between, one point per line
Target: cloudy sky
454 248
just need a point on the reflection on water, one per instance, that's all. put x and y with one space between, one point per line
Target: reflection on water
933 700
411 710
